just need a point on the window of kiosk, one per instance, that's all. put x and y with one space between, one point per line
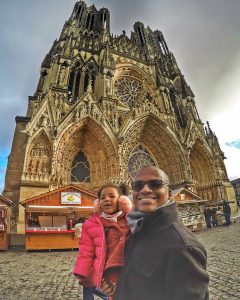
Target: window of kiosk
49 221
44 221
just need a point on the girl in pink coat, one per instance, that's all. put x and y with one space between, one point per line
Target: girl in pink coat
101 251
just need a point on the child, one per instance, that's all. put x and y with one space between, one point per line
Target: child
101 251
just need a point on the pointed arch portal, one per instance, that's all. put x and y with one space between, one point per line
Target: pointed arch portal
88 147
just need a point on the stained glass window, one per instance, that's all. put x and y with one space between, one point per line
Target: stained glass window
139 158
80 171
127 90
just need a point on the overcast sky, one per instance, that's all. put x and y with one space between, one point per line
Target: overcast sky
203 35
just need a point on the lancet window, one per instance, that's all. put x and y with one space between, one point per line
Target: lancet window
80 171
139 158
74 83
79 13
141 36
90 21
103 19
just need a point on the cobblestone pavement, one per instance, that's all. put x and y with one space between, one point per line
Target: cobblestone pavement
47 275
223 247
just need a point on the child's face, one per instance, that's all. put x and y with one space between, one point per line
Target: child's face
108 200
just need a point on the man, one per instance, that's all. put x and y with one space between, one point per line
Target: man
207 216
227 212
164 260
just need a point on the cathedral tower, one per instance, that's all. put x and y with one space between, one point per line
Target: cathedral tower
104 107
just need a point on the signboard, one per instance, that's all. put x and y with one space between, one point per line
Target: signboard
70 198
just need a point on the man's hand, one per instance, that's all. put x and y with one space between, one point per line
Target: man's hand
108 287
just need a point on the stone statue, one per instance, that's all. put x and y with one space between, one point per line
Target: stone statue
62 76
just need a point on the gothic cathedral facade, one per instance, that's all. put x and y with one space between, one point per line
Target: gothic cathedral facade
104 107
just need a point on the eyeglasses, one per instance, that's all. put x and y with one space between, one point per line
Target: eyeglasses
138 185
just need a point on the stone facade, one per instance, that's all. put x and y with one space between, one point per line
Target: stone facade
236 186
105 106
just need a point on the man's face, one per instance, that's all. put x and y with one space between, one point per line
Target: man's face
149 199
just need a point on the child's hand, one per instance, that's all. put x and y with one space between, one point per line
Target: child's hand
80 278
108 287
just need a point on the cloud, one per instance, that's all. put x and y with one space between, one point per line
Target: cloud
203 36
235 144
232 162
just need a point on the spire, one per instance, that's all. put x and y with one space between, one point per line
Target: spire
89 18
161 43
140 34
213 141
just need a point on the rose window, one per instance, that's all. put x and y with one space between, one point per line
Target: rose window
139 158
127 90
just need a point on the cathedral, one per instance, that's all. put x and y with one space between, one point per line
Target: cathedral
104 107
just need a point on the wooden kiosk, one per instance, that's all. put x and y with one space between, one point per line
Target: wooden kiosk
5 207
190 208
50 218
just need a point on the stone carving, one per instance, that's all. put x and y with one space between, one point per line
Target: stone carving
38 163
188 170
94 111
107 86
62 76
35 108
39 121
167 101
77 115
219 168
83 112
60 106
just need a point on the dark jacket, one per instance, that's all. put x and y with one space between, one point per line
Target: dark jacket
226 207
164 261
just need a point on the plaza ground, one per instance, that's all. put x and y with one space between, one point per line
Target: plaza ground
47 275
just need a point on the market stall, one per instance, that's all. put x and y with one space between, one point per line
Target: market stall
5 211
50 218
190 208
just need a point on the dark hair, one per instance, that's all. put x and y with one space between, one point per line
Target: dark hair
81 220
124 189
111 185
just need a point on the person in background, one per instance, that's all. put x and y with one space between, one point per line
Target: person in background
78 227
238 204
164 260
207 216
101 251
214 216
227 212
78 230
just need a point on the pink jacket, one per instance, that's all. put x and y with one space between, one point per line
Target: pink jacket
92 252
